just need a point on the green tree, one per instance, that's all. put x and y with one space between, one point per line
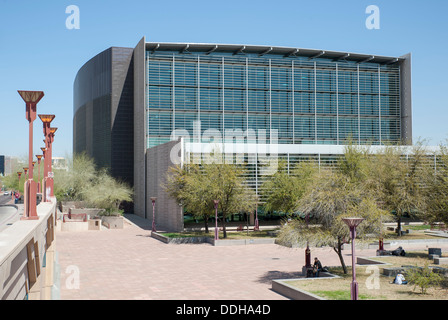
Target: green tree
436 188
332 194
329 199
196 186
70 184
424 278
107 193
283 190
397 180
191 189
227 185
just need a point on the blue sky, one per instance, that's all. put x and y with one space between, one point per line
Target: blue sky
38 52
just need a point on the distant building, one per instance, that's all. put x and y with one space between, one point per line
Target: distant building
2 165
129 103
59 163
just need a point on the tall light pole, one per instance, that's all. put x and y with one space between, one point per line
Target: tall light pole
153 200
19 174
257 226
50 164
352 223
39 159
46 120
216 219
42 183
31 99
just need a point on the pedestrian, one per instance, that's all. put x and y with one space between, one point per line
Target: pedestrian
317 267
399 279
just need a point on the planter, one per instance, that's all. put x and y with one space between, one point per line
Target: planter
112 222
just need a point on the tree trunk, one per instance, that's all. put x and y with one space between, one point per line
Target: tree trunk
206 225
338 250
399 226
224 231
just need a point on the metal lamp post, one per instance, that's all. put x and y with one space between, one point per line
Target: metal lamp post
256 226
42 182
352 223
216 219
153 199
25 170
46 120
39 159
31 99
50 165
19 174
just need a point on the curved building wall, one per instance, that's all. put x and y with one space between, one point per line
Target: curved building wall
103 111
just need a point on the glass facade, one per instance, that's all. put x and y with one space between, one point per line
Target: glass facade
308 101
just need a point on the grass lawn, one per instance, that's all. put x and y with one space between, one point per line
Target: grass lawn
339 288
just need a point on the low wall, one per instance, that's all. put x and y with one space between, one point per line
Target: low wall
282 287
27 256
212 241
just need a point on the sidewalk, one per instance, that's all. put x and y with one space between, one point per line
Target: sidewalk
129 264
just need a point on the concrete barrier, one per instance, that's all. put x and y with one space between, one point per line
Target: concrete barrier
282 287
113 222
440 260
218 243
27 256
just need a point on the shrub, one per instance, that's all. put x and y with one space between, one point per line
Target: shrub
423 278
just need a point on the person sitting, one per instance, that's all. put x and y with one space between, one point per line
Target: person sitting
317 267
399 279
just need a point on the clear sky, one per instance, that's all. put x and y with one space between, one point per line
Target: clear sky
38 51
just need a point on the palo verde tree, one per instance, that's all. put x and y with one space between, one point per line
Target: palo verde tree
197 186
435 189
331 195
283 190
396 179
191 189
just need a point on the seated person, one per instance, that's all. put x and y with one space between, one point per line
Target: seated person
399 279
317 267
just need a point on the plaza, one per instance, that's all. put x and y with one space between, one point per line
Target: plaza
135 266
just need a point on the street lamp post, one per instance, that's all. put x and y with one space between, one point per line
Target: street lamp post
46 120
31 99
153 200
19 174
256 226
42 183
50 165
352 223
39 159
216 219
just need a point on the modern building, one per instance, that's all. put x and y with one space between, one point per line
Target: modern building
131 103
2 165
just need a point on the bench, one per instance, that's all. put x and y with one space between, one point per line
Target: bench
440 261
435 251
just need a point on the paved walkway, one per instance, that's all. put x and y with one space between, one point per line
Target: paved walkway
129 264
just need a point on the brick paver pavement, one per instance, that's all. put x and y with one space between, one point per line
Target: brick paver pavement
129 264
